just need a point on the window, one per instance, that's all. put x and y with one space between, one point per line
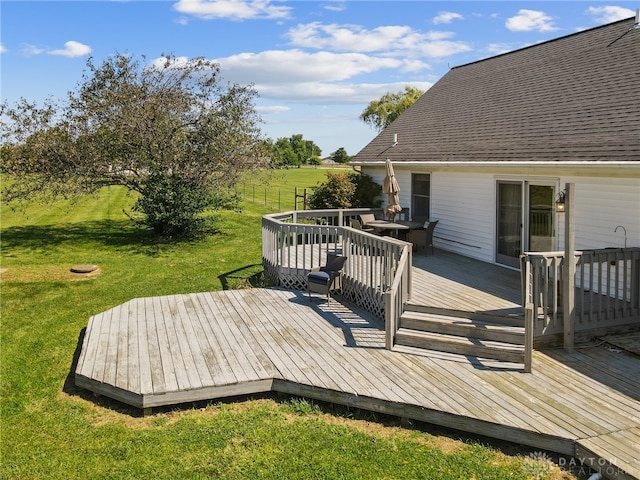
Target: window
420 196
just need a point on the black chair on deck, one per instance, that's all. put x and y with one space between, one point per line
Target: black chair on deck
423 238
326 278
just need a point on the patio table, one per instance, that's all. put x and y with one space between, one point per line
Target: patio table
397 227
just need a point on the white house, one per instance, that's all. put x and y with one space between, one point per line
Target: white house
489 148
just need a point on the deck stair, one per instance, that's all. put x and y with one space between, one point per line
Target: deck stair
474 334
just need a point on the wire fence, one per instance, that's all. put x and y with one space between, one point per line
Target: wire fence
278 200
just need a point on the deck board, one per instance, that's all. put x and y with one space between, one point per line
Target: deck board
446 280
222 372
142 361
198 346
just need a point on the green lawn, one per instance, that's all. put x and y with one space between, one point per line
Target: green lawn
51 430
275 190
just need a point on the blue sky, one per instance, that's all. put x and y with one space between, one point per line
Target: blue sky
315 64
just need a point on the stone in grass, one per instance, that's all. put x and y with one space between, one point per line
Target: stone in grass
84 268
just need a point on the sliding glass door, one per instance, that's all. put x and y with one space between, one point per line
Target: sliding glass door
525 220
509 225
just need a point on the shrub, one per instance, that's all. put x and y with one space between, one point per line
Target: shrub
171 204
335 192
366 191
352 190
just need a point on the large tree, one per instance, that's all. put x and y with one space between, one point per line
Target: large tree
295 151
166 129
380 113
340 156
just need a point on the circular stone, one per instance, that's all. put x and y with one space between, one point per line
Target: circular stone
84 268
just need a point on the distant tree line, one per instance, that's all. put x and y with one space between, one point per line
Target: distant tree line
295 151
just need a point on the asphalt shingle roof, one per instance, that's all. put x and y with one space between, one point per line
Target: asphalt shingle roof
575 98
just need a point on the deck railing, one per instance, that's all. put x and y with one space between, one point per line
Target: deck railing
396 296
377 273
607 289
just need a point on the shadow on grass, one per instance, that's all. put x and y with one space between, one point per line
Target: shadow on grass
249 276
121 235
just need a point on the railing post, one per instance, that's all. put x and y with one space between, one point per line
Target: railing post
389 320
410 274
528 338
569 270
635 283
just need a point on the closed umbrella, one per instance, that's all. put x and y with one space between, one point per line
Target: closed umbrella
391 188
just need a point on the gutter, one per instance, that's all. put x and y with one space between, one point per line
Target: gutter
595 164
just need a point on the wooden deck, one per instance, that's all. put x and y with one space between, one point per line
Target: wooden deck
168 350
454 282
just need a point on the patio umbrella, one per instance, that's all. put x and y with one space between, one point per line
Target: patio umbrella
391 188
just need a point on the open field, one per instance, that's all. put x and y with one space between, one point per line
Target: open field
50 429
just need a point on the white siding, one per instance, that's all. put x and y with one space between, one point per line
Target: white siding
465 205
602 204
465 208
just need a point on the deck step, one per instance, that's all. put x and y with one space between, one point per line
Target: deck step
461 345
513 317
462 333
492 363
464 327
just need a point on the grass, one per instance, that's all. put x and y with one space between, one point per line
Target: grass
51 429
275 190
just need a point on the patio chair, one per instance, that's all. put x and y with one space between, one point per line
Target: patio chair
326 278
358 226
423 238
366 218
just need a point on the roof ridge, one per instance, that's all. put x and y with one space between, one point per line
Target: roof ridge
544 42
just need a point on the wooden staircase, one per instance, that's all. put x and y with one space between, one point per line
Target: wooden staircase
471 334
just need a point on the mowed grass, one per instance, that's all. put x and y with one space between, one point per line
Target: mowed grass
52 430
275 190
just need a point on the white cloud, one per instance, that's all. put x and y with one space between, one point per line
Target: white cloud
324 93
272 109
296 76
528 20
31 50
499 48
286 67
3 49
232 9
609 13
336 6
72 49
447 17
393 38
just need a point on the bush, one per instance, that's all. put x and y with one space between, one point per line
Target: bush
366 191
172 204
352 190
335 192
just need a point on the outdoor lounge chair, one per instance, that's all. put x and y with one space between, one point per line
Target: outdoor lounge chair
326 278
423 238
